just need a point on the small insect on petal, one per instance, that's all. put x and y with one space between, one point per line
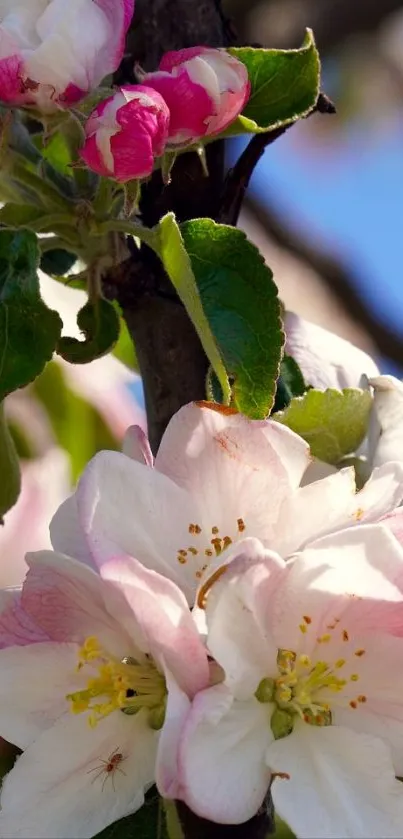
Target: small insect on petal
109 767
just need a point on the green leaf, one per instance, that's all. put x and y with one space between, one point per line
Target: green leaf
99 323
10 484
290 383
57 262
29 330
333 422
76 424
33 218
180 270
240 303
147 823
285 85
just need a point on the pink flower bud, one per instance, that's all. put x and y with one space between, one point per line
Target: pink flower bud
205 90
126 132
54 51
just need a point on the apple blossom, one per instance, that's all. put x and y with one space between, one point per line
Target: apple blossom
312 698
385 436
54 53
97 674
126 132
217 478
205 90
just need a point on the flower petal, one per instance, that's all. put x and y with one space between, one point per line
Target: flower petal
136 445
127 508
223 774
216 454
66 600
35 680
341 784
159 610
167 769
348 582
66 533
63 782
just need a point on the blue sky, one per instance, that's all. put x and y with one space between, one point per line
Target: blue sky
349 195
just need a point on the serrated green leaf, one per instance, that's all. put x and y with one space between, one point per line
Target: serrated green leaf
180 270
29 330
290 383
99 322
285 85
333 422
57 262
240 302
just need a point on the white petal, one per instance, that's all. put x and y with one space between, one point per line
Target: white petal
66 533
127 508
381 494
388 415
326 360
177 709
341 785
347 581
62 782
314 510
222 768
235 467
34 682
235 636
136 445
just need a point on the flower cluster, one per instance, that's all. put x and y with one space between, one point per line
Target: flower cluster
196 92
212 622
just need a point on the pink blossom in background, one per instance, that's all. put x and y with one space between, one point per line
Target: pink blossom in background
126 132
54 52
45 484
205 90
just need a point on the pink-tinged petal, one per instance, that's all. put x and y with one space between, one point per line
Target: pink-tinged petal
127 508
11 89
63 782
17 628
35 681
173 58
223 775
341 784
45 484
340 587
232 104
72 94
380 685
326 360
92 156
66 600
159 609
66 533
189 103
119 16
235 638
136 446
167 769
217 454
394 522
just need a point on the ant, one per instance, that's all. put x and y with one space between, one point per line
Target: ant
109 766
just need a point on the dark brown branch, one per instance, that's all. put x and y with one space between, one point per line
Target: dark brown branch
335 275
238 178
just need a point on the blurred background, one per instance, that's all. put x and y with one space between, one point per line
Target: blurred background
326 204
325 208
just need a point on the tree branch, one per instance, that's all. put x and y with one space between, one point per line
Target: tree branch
335 275
238 178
